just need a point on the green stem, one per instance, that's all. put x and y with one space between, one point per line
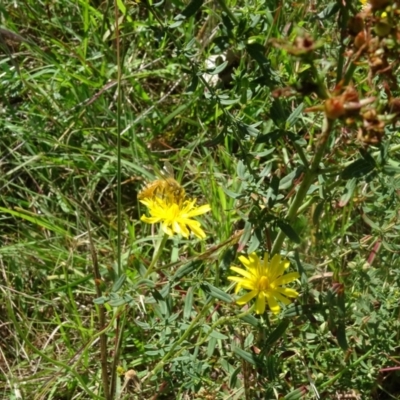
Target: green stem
119 156
338 375
157 255
309 178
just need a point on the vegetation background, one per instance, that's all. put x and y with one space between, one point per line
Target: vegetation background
96 96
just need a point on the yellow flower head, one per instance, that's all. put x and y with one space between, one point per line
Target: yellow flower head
175 217
263 279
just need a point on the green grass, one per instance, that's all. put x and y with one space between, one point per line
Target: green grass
91 106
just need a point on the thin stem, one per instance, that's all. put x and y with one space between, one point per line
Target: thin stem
119 130
117 351
344 370
102 315
309 178
157 255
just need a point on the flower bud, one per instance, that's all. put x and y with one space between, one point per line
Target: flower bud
334 108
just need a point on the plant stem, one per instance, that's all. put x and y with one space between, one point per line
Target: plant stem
157 255
344 370
102 315
309 178
119 130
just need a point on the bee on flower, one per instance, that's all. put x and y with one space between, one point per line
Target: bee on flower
264 279
167 188
167 204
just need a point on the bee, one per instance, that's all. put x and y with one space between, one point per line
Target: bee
166 187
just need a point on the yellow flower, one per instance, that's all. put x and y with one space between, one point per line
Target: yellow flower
175 217
264 279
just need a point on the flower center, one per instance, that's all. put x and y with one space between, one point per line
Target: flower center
263 284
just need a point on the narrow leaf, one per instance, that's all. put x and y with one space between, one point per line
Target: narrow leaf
289 231
186 269
349 191
217 293
192 8
277 333
249 357
118 284
188 303
357 169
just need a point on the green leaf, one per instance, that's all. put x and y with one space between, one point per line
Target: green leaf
317 212
288 231
294 310
341 335
190 9
218 335
101 300
117 301
251 319
245 236
296 394
295 115
231 194
147 282
257 52
211 346
357 169
118 284
249 357
286 181
36 219
329 10
349 191
217 140
218 69
371 223
188 303
176 112
277 333
216 293
233 378
186 269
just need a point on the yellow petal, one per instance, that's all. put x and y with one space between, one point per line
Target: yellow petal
273 304
260 303
167 230
236 278
149 220
242 272
276 268
199 211
287 278
245 261
288 292
280 298
198 231
247 297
